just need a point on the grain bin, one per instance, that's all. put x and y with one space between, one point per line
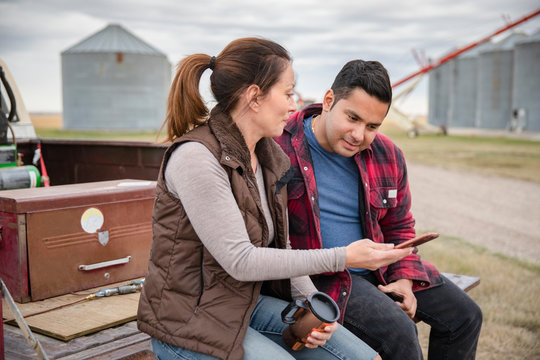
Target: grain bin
494 99
464 93
114 80
439 88
526 84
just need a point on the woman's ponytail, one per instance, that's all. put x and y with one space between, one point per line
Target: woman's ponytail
185 107
242 63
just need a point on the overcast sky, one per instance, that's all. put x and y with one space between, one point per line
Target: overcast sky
320 35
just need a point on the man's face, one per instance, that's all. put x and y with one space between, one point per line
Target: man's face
350 125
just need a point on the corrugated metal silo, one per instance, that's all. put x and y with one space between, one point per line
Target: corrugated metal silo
526 88
439 88
465 79
494 100
114 80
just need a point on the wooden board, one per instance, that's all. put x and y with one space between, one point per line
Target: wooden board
119 342
116 342
78 319
464 282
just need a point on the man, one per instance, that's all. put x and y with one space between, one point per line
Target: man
350 182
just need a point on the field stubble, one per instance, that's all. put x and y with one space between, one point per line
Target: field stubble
508 296
513 158
510 288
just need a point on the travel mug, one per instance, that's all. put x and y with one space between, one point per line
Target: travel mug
303 317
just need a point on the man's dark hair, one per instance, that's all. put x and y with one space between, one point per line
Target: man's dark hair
371 76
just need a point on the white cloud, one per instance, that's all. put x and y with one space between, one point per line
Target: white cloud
321 36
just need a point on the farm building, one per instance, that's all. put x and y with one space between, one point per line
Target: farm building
494 91
493 86
114 80
526 84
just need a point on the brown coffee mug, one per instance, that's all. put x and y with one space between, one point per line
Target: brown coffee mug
303 317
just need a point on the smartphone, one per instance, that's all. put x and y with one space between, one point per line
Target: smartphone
424 238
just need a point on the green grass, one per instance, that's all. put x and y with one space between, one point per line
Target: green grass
97 135
514 158
508 295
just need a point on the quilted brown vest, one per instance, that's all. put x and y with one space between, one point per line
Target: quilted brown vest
188 300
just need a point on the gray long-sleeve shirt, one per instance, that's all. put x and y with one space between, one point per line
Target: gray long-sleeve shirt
195 176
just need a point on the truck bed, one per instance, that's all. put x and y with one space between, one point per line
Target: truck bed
82 161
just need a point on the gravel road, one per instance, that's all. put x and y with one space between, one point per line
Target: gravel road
499 213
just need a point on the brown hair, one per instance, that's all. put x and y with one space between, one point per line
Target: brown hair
242 63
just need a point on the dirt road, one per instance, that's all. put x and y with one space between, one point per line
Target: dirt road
498 213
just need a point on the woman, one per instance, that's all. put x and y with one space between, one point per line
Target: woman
214 287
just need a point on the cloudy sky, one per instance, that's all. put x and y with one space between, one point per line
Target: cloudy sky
320 35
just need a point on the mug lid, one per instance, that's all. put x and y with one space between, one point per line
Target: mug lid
323 307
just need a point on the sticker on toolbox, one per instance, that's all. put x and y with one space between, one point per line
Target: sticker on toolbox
92 220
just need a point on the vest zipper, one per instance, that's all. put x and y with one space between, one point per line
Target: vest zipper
202 283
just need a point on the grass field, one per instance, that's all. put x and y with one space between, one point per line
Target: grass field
150 136
508 295
509 289
513 158
50 126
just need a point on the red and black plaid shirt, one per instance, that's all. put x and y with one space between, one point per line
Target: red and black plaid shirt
387 203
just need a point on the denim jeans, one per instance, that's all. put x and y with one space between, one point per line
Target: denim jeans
455 321
263 340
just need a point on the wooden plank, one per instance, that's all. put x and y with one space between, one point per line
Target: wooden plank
16 347
120 342
464 282
64 300
43 305
145 354
115 350
78 319
110 341
86 317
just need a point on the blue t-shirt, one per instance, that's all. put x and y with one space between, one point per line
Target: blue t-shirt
337 181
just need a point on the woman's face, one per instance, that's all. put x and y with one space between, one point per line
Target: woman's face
276 106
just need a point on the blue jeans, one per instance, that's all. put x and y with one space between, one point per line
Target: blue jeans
263 340
455 321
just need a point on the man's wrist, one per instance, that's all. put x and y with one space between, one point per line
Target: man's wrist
409 282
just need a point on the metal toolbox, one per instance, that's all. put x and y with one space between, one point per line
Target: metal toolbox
67 238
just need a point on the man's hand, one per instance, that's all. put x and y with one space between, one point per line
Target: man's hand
403 289
370 255
320 337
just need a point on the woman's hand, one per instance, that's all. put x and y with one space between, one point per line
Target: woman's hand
320 337
366 254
